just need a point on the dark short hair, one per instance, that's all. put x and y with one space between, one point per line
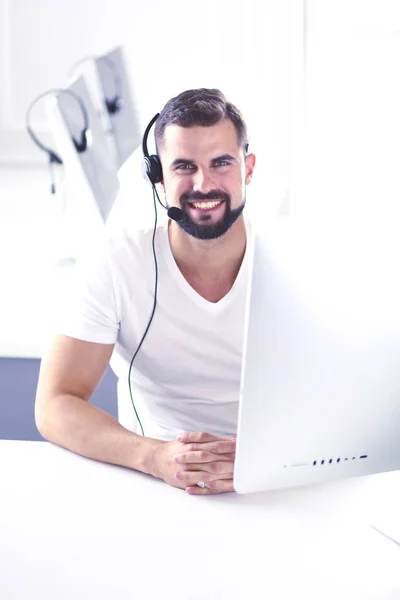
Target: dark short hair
200 108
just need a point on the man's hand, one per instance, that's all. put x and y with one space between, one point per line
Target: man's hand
197 456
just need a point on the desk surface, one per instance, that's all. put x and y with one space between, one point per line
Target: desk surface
75 528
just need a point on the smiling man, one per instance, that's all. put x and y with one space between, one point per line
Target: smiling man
205 182
186 376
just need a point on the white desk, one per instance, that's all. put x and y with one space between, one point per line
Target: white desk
75 528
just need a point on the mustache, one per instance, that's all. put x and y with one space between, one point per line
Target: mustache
198 196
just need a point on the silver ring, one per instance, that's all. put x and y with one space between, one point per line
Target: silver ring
201 484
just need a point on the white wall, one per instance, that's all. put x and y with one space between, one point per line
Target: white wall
344 161
353 116
243 48
250 50
27 235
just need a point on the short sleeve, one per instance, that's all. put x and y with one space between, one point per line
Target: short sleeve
87 305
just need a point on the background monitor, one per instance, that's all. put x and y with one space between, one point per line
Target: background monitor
95 161
90 184
120 107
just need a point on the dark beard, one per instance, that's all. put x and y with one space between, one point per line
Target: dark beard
211 231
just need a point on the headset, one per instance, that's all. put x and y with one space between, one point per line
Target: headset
152 172
80 145
151 166
114 104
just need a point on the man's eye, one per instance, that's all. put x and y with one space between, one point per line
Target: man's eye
184 167
221 163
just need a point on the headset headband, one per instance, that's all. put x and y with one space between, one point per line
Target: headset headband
48 93
146 134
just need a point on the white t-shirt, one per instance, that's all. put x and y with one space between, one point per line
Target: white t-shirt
186 376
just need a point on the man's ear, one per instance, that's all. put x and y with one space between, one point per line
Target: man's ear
250 164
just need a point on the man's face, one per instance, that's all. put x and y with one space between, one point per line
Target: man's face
205 174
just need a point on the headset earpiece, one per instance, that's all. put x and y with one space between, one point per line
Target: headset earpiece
54 158
113 106
152 169
82 144
151 166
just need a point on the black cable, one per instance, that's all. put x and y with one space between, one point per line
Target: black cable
154 304
158 197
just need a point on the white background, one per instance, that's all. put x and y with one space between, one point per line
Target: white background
353 99
316 80
250 50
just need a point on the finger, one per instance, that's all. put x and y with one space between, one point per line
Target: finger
198 491
201 437
218 447
196 436
215 487
217 469
201 456
192 477
221 485
220 468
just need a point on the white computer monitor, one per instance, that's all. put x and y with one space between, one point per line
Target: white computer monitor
93 169
320 393
90 182
119 104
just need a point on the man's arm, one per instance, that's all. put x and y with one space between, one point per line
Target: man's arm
69 373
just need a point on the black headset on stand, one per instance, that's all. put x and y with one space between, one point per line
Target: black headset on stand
152 172
80 145
115 104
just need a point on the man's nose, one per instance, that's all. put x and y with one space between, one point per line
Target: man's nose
203 181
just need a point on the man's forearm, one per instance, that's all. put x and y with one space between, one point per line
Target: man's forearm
75 424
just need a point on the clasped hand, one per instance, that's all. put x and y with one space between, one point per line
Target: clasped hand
197 456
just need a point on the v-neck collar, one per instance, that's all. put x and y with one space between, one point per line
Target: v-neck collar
191 292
